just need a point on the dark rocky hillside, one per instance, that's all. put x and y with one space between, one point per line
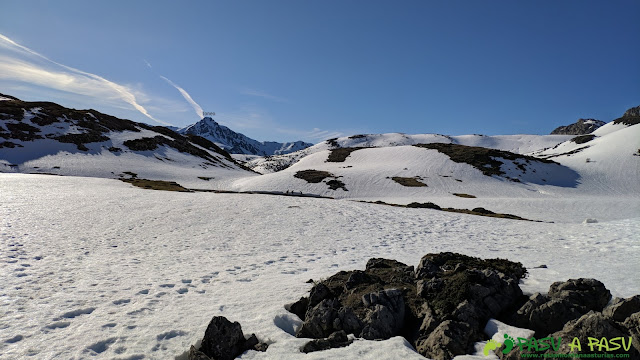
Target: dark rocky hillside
580 127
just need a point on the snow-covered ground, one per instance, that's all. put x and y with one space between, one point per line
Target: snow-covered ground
96 268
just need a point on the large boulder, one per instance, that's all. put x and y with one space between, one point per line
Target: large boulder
224 340
447 296
566 301
595 325
620 309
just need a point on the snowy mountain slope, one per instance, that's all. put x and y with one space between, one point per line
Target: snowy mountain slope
42 137
237 143
608 162
368 173
521 144
127 273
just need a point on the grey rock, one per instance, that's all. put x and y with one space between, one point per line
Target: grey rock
580 127
632 324
594 325
319 320
621 309
566 301
223 340
386 316
449 339
588 293
299 307
319 293
195 354
335 340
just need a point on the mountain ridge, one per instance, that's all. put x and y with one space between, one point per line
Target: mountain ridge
237 143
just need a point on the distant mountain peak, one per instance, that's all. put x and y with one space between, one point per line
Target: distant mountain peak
237 143
580 127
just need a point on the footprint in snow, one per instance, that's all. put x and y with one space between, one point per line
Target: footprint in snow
100 346
14 339
58 325
121 301
75 313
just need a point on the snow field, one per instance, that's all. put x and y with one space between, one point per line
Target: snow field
97 269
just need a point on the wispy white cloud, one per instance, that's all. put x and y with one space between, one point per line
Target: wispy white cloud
147 63
314 134
262 94
187 97
35 69
255 120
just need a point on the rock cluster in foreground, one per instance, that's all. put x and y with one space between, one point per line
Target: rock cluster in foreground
442 306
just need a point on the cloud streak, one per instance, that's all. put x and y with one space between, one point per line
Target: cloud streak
69 79
262 94
187 97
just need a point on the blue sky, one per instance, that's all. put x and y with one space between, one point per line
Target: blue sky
289 70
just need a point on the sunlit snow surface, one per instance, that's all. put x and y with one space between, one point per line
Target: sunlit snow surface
95 268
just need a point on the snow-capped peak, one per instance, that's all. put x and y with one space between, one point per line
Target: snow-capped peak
237 143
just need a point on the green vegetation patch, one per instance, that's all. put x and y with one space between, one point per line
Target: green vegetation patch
483 159
340 154
409 181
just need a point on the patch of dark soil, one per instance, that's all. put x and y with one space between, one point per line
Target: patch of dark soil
583 139
476 211
317 176
180 144
80 139
336 184
332 142
156 184
409 181
568 153
23 132
313 176
209 145
468 196
427 205
340 154
483 159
